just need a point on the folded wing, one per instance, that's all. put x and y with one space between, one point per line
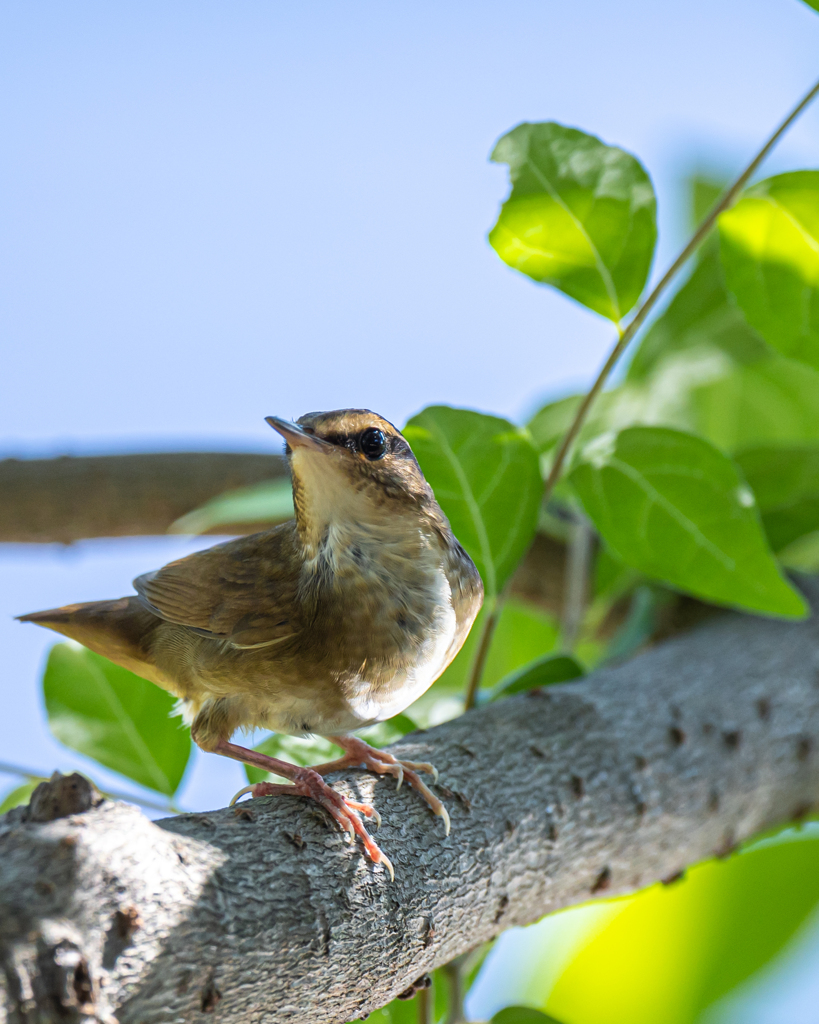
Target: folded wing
244 592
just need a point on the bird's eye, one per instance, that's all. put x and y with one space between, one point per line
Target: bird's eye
373 443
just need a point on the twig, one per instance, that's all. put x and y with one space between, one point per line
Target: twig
639 317
577 581
479 661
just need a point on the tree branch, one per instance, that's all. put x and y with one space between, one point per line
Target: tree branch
71 498
267 913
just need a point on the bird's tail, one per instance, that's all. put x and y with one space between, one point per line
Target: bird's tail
119 630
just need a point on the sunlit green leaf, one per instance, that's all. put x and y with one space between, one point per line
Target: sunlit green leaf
485 474
114 717
581 216
665 954
703 391
813 3
701 317
769 244
267 502
785 481
673 506
558 668
522 1015
17 796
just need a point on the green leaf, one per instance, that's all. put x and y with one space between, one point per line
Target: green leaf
523 634
556 668
701 317
267 502
18 795
673 506
581 216
114 717
309 750
812 3
770 250
301 750
486 476
773 400
704 190
785 481
522 1015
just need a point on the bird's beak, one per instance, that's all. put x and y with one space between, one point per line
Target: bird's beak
296 436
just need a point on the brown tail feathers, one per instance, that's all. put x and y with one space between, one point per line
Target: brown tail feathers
120 630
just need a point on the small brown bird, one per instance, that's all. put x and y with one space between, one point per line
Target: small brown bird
327 623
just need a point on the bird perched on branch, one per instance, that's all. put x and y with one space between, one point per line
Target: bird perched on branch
330 622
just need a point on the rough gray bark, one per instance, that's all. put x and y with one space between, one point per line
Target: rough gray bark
270 915
72 498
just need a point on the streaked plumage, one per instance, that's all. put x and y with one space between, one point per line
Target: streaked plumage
334 620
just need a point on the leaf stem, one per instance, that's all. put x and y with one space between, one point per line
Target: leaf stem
32 776
423 998
626 334
479 661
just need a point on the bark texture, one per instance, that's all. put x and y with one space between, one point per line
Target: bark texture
268 914
68 499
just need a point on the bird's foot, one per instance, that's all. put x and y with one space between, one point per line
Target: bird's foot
307 782
359 754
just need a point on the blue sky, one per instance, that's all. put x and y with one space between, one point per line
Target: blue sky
212 212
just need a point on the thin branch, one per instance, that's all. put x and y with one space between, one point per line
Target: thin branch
639 317
479 661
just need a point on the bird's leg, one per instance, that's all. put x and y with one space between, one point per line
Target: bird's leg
359 754
307 782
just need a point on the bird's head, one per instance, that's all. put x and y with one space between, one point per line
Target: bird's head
351 464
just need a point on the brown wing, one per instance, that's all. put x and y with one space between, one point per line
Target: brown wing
244 591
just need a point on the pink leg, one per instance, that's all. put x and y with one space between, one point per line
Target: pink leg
307 782
359 754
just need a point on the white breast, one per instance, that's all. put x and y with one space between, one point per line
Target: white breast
408 684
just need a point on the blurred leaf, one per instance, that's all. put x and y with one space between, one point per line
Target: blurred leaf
774 399
612 578
812 3
522 1015
114 717
17 796
671 951
486 476
802 554
704 191
550 423
399 1011
523 634
267 502
301 750
647 602
702 317
703 391
674 507
785 481
769 244
557 668
581 216
309 750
